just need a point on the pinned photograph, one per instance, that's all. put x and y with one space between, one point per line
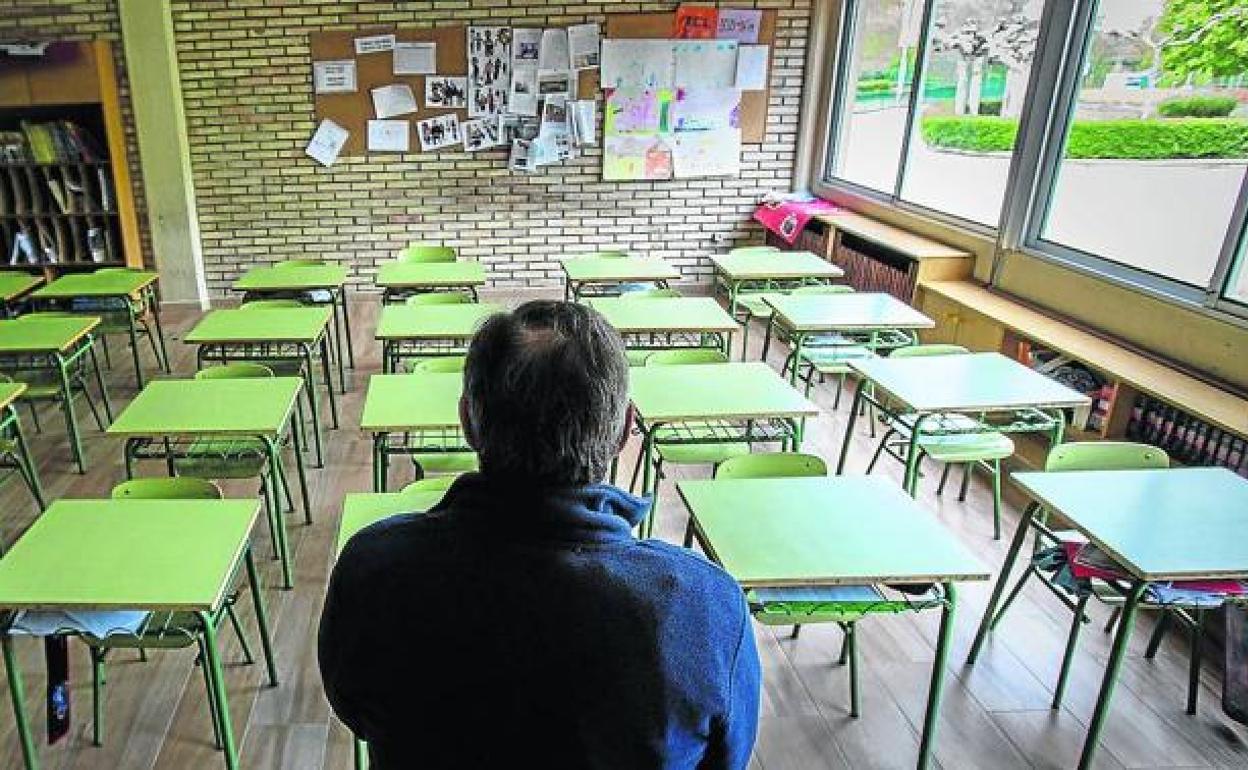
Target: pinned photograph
526 46
438 133
445 92
489 70
512 127
480 134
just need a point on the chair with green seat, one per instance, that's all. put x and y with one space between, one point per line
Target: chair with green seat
439 365
956 439
637 355
751 301
822 354
448 462
43 382
310 297
115 315
11 454
440 298
427 252
168 630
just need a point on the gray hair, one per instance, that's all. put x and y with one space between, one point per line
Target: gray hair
547 393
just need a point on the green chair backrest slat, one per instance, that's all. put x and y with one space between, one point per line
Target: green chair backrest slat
270 304
431 484
113 270
609 254
934 349
686 356
439 298
1105 456
651 294
176 488
427 252
771 465
823 288
241 370
440 365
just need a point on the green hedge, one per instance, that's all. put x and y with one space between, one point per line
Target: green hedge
1198 107
875 85
1123 139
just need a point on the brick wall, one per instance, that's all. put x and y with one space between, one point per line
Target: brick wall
246 84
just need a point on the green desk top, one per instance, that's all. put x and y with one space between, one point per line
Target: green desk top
292 278
1172 524
128 554
664 314
845 312
397 402
120 283
252 407
50 334
415 322
608 269
965 383
10 391
359 509
416 275
823 531
13 284
780 265
715 392
295 324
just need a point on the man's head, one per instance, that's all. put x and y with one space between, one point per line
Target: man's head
546 394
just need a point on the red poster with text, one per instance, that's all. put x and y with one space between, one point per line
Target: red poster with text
696 22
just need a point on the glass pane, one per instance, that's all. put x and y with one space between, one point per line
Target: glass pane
884 34
979 58
1237 286
1158 142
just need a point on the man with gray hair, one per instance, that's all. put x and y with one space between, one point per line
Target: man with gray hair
519 623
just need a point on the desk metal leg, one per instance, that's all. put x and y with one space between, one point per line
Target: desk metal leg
309 383
71 422
274 488
296 440
346 325
99 380
936 690
329 380
379 462
339 353
849 426
647 461
26 463
1003 578
913 458
1119 651
216 681
154 305
262 618
17 693
133 333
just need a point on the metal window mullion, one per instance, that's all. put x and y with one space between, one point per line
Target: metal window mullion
916 94
1220 282
836 117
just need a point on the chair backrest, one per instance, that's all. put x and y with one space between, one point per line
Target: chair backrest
270 304
686 356
112 270
651 294
934 349
440 365
1105 456
430 484
427 252
753 250
609 254
771 465
439 298
299 263
824 288
241 370
176 488
50 314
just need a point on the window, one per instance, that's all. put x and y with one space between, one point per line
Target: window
1237 285
1155 147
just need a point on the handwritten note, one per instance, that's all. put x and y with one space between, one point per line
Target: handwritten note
389 136
374 44
327 142
334 77
415 58
390 101
740 24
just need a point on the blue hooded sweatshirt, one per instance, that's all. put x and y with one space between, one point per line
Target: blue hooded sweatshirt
520 627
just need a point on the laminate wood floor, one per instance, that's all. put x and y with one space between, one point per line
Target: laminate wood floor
996 714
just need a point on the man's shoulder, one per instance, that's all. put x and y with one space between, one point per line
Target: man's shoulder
690 564
398 534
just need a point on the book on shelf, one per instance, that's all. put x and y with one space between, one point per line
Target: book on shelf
106 190
13 148
58 141
23 246
58 194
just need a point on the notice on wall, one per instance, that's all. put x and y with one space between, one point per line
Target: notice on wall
739 24
389 136
480 134
554 54
752 67
583 45
393 100
522 99
706 109
489 70
334 77
705 63
438 133
415 58
636 135
374 44
707 153
638 64
446 92
695 22
327 142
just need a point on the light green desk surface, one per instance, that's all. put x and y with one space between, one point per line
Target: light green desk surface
10 392
845 312
413 322
664 314
296 325
397 402
120 283
292 278
715 392
607 269
360 509
13 284
824 531
252 407
416 275
962 383
128 554
48 334
1171 524
779 265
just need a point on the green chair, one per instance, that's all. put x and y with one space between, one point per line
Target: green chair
440 298
117 316
956 439
43 382
448 462
439 365
431 484
652 294
427 252
172 630
15 453
751 302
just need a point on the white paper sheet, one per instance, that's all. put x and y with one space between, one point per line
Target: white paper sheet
740 24
559 83
554 53
522 98
706 109
583 45
706 63
489 70
585 122
480 134
707 153
445 93
638 64
437 133
521 156
752 67
393 100
526 46
389 136
415 58
327 142
334 77
374 44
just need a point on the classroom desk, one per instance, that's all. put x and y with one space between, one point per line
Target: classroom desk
360 509
1158 525
887 321
713 403
769 270
582 273
9 419
155 555
14 286
422 408
398 278
664 323
802 532
300 279
925 390
167 412
117 287
269 336
33 341
411 331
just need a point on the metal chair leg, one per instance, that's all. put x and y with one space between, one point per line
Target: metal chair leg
238 630
1076 625
1193 671
1113 618
1159 633
966 481
944 476
996 498
97 708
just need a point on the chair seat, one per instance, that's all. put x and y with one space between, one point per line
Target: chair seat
223 458
446 462
40 385
637 356
967 447
834 359
826 604
755 305
712 452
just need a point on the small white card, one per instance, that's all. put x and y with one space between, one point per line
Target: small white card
389 136
752 67
391 101
327 142
415 58
374 44
334 77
